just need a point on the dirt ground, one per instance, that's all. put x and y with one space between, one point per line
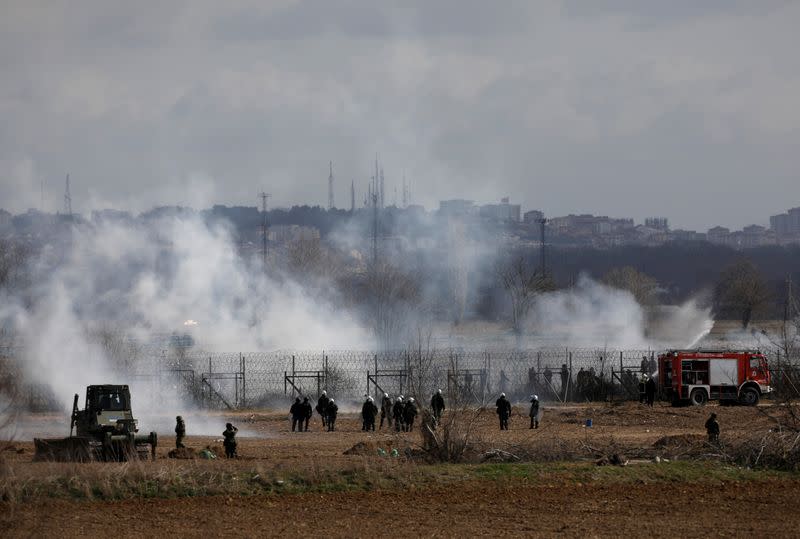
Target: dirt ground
474 509
512 507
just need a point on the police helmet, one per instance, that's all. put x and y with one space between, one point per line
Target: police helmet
502 394
332 401
439 391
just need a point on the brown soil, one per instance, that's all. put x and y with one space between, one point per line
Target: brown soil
514 508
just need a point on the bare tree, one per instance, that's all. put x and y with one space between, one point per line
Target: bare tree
523 283
642 286
741 290
13 261
393 297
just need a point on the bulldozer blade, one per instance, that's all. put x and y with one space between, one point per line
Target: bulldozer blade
72 449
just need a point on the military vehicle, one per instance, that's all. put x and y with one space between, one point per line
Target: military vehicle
105 430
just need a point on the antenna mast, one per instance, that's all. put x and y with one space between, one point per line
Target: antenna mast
264 226
67 200
330 188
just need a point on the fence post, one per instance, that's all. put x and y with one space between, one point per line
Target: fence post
569 380
244 383
376 377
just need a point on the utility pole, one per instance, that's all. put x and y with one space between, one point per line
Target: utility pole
330 188
264 226
67 200
352 196
542 222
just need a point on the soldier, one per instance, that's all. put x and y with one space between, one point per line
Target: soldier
368 413
308 411
503 411
230 440
409 413
298 414
650 391
386 409
330 414
712 429
180 432
322 403
437 405
534 413
397 413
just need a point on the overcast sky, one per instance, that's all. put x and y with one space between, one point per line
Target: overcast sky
685 109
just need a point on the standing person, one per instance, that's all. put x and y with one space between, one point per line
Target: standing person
180 432
650 391
308 411
534 413
437 405
230 440
330 414
322 404
368 413
409 413
503 411
643 365
712 429
397 413
642 389
297 414
386 409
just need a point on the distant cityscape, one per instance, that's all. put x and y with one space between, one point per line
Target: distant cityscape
504 219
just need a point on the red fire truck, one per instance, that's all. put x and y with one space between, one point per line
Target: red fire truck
697 376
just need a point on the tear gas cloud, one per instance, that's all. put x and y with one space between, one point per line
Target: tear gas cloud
142 282
593 314
136 282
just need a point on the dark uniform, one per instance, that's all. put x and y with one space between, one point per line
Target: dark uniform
503 411
330 415
368 413
437 405
230 440
386 409
298 415
712 429
650 391
397 413
322 403
642 390
180 432
534 413
308 411
409 413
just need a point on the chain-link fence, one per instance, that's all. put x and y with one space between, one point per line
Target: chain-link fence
252 379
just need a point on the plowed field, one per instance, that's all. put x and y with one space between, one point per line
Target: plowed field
420 499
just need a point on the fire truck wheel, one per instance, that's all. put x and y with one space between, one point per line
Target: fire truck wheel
749 396
698 397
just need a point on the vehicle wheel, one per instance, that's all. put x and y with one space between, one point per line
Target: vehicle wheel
698 397
749 396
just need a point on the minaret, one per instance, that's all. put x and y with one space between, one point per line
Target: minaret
330 187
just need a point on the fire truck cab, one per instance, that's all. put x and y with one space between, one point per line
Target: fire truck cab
697 376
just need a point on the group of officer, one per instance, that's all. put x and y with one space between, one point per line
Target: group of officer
228 437
503 408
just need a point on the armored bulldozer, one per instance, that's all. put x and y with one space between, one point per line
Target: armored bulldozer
105 430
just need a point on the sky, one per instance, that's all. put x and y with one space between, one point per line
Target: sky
626 108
